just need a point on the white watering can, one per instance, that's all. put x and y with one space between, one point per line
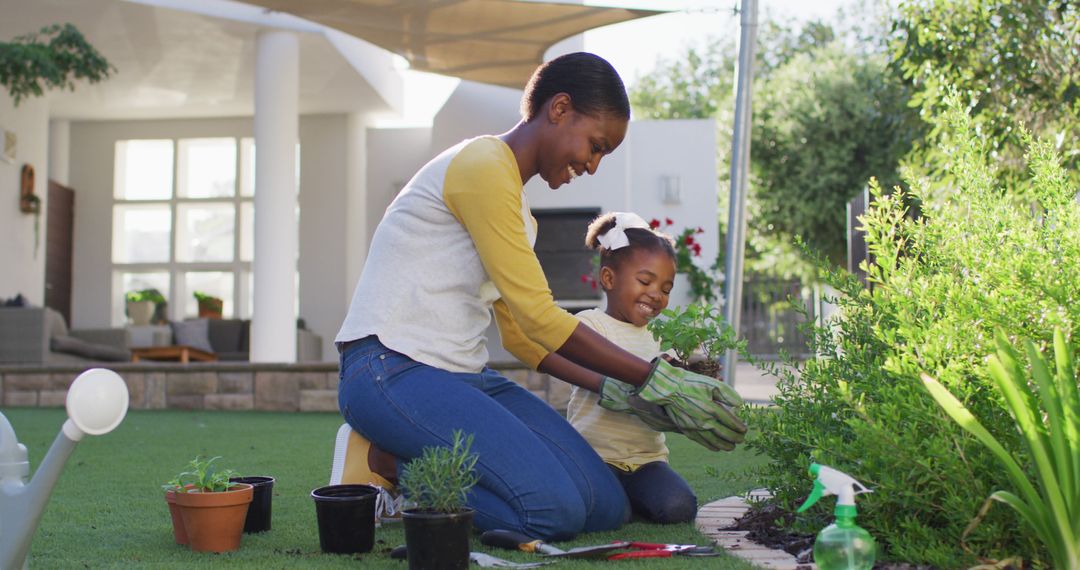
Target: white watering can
96 403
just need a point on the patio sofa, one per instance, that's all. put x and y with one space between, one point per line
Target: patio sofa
229 339
39 335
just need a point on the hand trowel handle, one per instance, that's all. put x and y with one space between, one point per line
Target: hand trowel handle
512 540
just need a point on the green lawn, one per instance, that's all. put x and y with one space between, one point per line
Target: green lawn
108 509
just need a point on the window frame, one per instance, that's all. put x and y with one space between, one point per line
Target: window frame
240 269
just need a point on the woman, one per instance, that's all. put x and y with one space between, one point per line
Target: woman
455 245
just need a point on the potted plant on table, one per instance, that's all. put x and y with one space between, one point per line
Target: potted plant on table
212 508
698 335
141 305
210 307
437 522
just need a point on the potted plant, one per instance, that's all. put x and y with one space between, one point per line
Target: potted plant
437 522
141 305
213 509
698 335
210 307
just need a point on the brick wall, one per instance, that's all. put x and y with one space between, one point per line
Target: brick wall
303 387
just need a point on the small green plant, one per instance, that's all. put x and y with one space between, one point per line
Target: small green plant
206 298
209 305
202 475
1049 422
144 295
698 329
439 480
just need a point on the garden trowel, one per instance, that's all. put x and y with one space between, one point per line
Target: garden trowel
516 541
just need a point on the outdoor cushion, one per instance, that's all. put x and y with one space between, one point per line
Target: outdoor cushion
78 347
228 335
54 323
193 333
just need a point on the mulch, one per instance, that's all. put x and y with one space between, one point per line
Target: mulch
768 526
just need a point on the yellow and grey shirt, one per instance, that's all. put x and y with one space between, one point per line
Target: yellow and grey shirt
453 246
620 439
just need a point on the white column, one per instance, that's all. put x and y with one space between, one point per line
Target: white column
356 227
277 73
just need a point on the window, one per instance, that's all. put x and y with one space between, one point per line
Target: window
560 247
183 219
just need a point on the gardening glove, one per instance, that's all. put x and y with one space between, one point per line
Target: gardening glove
619 397
695 403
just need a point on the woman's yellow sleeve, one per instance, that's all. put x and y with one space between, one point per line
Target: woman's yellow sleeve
483 191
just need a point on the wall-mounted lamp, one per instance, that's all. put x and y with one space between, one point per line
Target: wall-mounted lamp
670 189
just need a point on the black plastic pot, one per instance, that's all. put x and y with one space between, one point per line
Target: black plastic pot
346 515
437 541
258 515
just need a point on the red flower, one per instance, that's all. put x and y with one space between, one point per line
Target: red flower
584 278
654 223
689 240
700 231
668 222
697 248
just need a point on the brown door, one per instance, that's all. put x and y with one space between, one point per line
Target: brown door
59 232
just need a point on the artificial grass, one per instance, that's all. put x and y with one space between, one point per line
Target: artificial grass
108 509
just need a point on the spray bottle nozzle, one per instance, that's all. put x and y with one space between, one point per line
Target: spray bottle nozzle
829 481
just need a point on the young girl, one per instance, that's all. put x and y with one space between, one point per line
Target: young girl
637 270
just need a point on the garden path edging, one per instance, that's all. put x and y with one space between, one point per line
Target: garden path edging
721 514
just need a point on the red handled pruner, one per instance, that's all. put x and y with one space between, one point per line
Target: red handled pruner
656 550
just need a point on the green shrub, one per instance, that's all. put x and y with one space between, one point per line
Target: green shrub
975 261
439 480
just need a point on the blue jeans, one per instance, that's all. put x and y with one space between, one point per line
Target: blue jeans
538 476
658 494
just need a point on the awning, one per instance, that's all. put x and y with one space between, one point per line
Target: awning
492 41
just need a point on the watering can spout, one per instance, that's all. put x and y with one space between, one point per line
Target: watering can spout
96 403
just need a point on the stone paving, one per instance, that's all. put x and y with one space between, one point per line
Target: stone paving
718 515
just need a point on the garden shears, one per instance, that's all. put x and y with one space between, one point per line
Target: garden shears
658 550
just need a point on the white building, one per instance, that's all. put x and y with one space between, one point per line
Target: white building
182 101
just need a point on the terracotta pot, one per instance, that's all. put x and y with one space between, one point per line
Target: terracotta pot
179 533
215 521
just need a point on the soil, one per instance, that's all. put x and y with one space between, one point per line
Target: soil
701 366
768 524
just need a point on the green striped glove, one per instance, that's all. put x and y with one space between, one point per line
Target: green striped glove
696 404
618 397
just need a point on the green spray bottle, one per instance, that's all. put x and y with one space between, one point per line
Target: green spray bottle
842 545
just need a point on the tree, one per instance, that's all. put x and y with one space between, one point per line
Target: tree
54 57
826 119
1011 62
824 124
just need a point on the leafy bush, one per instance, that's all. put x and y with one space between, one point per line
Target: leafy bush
940 285
439 480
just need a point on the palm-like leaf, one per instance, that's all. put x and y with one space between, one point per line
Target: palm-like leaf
1050 504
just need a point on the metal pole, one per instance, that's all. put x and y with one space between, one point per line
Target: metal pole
740 162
